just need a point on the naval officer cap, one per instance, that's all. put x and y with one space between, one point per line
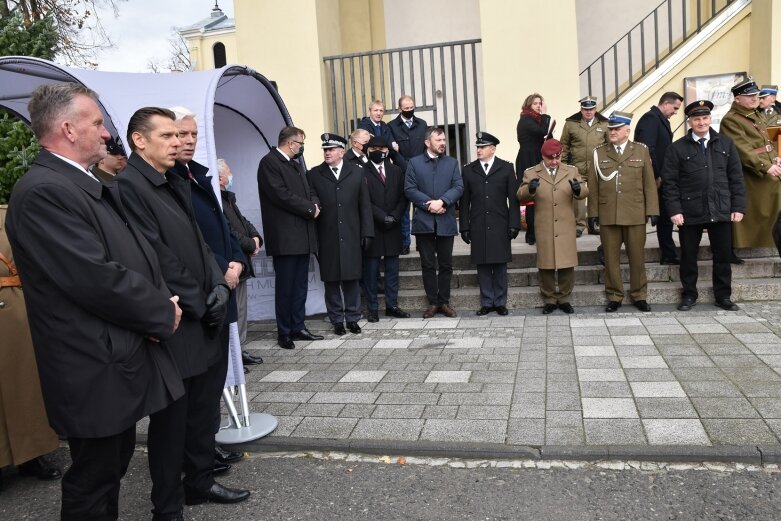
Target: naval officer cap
619 119
700 107
747 87
589 102
768 90
333 141
485 139
114 147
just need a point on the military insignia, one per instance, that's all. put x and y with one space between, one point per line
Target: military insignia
605 161
600 129
479 135
326 137
702 103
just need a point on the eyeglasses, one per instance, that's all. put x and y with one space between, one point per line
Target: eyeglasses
299 142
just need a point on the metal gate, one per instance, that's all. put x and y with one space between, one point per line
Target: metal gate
441 78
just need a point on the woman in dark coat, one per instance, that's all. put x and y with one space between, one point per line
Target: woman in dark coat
534 127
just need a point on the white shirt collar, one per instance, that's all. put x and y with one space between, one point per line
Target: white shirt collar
283 154
697 138
74 163
490 164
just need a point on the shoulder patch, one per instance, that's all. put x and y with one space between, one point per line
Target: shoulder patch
641 144
602 145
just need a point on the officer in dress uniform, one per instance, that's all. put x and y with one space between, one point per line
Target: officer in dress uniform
622 198
769 108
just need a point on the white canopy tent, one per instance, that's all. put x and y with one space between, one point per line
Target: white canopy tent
239 114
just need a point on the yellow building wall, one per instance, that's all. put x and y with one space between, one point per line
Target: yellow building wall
765 40
201 49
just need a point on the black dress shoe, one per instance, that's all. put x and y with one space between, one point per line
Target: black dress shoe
220 468
567 308
612 306
642 305
354 327
549 308
285 342
39 468
686 304
735 259
305 334
216 494
372 316
727 304
484 310
405 250
501 310
578 233
396 312
248 359
339 329
670 262
178 516
226 456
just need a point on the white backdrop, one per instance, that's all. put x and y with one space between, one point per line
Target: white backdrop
239 116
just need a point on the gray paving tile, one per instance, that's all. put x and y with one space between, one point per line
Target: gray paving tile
676 362
471 431
760 389
380 429
563 402
739 432
448 377
274 396
609 408
614 432
284 376
675 432
724 407
526 432
446 412
698 374
598 362
318 409
475 399
605 390
650 375
665 408
564 436
411 398
768 408
482 412
711 389
601 375
363 376
330 428
357 410
643 362
398 411
344 397
657 390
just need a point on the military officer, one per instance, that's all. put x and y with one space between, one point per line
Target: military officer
769 108
490 217
582 133
758 155
623 198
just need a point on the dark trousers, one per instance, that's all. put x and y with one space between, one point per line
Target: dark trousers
436 257
291 281
720 236
371 271
553 291
343 301
664 232
181 437
530 237
90 487
492 279
406 238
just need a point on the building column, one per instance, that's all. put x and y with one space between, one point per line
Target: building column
765 35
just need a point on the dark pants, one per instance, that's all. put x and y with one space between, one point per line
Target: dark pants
406 238
371 271
90 487
436 257
530 237
291 281
343 301
553 291
664 232
720 236
492 279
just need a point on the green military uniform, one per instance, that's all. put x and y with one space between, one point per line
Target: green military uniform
763 192
622 192
773 119
578 141
102 175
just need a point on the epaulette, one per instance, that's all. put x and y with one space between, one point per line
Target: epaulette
530 168
602 145
639 143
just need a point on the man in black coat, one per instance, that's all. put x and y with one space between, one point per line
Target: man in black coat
490 218
374 124
385 182
409 131
358 141
289 208
654 131
97 304
343 230
703 188
181 437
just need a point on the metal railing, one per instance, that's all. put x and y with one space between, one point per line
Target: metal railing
645 45
441 78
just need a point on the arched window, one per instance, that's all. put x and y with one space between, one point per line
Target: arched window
219 55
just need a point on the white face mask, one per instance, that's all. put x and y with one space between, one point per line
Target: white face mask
230 183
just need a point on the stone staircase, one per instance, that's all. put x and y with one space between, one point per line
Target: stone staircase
757 280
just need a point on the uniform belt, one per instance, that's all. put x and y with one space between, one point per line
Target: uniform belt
766 148
10 282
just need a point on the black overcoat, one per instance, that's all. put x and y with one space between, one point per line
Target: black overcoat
287 206
411 140
94 293
345 217
386 199
242 229
531 135
159 206
489 208
654 131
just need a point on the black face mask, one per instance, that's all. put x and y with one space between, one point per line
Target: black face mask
408 113
299 153
377 156
359 147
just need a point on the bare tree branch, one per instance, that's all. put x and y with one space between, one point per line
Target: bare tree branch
178 59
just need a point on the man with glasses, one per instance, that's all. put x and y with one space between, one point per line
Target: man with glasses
289 207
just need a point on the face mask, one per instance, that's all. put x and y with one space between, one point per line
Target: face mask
408 113
377 156
230 183
299 153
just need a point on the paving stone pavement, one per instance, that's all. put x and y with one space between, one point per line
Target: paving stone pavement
706 377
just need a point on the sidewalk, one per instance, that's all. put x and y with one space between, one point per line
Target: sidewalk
665 385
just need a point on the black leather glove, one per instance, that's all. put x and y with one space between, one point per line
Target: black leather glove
653 219
593 222
390 222
366 243
575 184
216 307
513 233
466 236
533 185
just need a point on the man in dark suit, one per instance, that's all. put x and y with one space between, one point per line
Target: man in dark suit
289 208
654 131
386 193
490 219
344 228
409 131
374 124
433 184
181 436
358 141
97 304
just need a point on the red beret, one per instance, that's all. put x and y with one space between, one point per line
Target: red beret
551 148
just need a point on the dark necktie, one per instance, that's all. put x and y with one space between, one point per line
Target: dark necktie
485 165
336 172
189 174
378 131
701 141
382 173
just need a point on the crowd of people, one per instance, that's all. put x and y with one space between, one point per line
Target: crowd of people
132 269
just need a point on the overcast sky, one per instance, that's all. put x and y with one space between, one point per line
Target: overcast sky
142 29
